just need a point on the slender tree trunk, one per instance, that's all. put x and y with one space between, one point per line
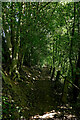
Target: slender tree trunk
8 46
71 45
15 45
65 91
77 75
53 68
77 79
57 79
52 76
12 70
58 74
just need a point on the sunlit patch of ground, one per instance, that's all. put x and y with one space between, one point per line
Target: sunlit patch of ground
55 116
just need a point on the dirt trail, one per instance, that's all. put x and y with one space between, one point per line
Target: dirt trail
55 115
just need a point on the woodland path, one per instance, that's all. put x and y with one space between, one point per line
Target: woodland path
39 97
60 112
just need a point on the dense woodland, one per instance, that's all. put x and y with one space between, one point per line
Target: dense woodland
40 60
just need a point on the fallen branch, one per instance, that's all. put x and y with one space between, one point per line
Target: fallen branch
71 83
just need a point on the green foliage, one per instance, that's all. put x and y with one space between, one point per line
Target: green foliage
37 36
9 108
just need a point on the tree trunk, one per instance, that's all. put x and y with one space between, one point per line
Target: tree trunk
57 79
71 44
52 73
77 80
65 91
77 75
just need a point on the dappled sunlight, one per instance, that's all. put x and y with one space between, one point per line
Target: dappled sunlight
60 113
40 60
54 115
